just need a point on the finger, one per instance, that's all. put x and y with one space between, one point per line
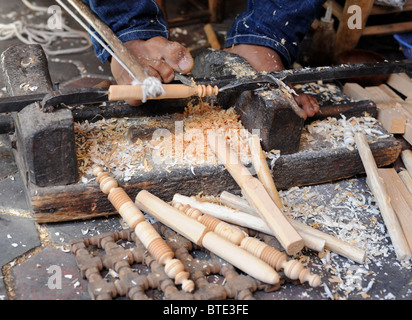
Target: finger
175 55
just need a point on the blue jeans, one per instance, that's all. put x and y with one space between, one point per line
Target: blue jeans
277 24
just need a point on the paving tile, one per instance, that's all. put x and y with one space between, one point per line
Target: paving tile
63 232
50 274
17 236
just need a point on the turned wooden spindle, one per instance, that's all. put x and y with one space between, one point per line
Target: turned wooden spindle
293 269
171 91
144 230
203 236
224 229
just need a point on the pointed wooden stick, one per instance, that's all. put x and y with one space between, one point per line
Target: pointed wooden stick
378 189
262 169
257 196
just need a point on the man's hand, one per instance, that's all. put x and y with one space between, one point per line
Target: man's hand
158 56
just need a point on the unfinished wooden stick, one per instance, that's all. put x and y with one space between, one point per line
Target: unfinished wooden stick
146 233
257 196
407 179
171 91
401 200
202 236
262 169
406 156
293 269
235 216
212 37
379 191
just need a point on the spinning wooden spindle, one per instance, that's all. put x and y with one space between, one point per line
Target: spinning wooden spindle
171 91
203 236
143 229
293 269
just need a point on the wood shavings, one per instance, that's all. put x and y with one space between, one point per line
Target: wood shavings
105 143
340 132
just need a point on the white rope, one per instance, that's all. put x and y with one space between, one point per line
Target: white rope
41 34
151 87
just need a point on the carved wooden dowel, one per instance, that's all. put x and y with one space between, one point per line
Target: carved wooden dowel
144 230
262 169
171 91
199 234
378 189
224 229
236 216
257 196
293 269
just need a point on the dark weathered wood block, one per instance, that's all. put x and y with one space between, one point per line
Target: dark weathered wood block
270 115
44 146
312 164
269 111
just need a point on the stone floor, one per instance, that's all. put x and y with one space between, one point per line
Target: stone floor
31 251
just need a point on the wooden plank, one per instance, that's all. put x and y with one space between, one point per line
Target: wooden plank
392 119
378 189
401 200
402 83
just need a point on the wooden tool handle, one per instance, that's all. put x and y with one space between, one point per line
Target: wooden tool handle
172 91
262 169
122 52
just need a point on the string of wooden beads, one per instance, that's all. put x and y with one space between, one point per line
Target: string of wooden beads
146 233
278 260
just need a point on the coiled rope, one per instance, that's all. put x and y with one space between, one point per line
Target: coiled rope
42 34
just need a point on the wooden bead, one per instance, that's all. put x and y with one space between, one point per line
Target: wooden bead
174 269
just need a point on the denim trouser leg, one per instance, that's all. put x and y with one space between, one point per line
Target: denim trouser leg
277 24
129 20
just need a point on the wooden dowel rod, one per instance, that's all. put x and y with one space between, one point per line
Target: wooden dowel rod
378 189
201 235
122 52
171 91
235 216
262 169
144 230
257 196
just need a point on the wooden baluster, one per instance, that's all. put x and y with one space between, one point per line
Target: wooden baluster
146 233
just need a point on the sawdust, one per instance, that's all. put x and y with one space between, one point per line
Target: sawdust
105 142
